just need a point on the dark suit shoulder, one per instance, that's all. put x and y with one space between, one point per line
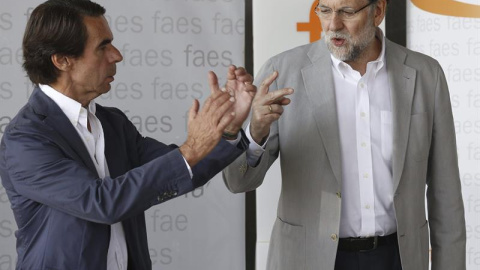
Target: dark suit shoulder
113 111
26 120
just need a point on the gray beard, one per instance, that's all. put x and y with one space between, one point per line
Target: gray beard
355 49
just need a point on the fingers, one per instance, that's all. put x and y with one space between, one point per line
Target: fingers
277 96
213 82
192 113
238 79
223 108
273 109
231 73
283 101
267 107
270 118
240 71
225 121
250 88
266 83
272 101
243 76
215 100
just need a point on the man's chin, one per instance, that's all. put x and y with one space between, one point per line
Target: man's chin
339 53
106 89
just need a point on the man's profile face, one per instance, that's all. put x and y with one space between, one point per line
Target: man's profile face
92 72
347 38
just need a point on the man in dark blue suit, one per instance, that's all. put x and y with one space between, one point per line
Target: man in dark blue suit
79 176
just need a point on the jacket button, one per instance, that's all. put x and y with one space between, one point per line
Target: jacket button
334 237
339 195
243 168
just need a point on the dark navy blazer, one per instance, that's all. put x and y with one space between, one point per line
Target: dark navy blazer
64 210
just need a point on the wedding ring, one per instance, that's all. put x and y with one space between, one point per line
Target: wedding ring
270 108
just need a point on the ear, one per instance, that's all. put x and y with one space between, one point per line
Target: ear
61 62
380 10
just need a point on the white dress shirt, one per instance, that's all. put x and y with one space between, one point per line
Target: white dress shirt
117 258
366 139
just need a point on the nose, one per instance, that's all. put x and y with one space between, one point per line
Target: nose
336 22
115 55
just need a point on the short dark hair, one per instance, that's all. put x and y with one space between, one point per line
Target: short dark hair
55 27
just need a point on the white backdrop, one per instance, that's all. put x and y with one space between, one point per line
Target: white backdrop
450 38
168 47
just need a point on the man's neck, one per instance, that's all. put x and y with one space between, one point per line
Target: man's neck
66 89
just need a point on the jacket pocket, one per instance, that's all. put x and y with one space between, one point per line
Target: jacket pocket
287 247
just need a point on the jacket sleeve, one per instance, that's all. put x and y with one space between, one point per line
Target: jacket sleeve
240 176
444 197
36 167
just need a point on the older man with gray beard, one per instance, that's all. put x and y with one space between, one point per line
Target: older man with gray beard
368 132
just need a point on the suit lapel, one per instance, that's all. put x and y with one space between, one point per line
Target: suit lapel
67 135
319 85
402 86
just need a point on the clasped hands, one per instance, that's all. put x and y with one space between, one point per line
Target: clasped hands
225 110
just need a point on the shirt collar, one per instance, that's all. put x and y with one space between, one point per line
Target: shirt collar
343 67
70 107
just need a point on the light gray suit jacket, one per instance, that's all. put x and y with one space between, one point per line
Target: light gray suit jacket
307 137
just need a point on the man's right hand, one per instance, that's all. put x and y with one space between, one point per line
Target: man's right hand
206 126
267 107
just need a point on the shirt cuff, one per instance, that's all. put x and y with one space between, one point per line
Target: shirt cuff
254 151
237 140
188 167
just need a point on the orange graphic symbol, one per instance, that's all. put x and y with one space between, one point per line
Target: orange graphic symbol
449 8
313 26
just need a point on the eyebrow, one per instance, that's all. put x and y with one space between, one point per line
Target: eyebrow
323 6
105 42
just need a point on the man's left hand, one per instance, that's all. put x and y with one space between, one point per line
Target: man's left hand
239 85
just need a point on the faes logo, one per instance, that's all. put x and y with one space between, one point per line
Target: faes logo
449 8
313 26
